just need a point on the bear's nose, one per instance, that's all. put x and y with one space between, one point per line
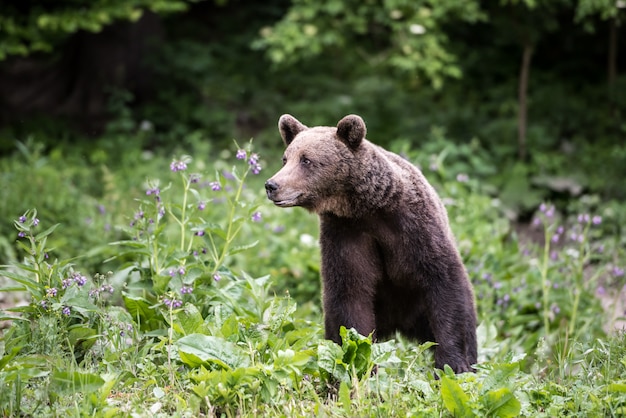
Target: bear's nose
271 186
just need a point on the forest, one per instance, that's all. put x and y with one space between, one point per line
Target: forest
144 272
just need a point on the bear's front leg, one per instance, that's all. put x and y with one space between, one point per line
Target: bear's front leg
350 270
453 324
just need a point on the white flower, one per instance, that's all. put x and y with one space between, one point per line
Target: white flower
416 29
307 239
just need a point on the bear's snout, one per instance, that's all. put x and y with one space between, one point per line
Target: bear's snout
270 187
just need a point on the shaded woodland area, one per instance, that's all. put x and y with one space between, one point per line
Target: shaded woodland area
521 77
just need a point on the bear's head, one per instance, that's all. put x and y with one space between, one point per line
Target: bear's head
318 164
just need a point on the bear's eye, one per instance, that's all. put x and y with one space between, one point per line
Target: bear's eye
305 161
284 160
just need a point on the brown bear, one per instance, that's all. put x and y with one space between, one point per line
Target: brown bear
389 260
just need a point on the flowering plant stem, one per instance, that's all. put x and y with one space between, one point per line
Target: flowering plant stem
230 234
545 286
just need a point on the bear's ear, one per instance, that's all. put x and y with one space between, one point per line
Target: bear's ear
289 127
351 130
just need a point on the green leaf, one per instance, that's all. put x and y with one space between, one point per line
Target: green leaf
190 319
344 397
72 382
197 349
82 336
329 360
617 387
45 233
29 283
455 400
502 403
139 308
241 248
4 317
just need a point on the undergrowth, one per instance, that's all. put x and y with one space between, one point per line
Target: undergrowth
200 299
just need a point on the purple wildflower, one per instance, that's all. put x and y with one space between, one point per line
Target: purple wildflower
21 234
173 303
178 165
254 159
35 221
66 311
51 292
22 219
80 279
600 291
256 217
201 206
66 283
215 186
181 271
217 277
185 290
583 218
172 272
155 191
199 233
462 178
194 178
241 154
596 220
617 271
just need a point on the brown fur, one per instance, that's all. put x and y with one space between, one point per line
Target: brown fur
389 262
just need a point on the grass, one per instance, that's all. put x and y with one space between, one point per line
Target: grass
172 288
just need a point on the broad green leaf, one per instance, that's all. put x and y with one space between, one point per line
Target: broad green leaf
502 403
455 400
197 349
382 351
190 319
617 387
83 336
329 359
139 308
500 375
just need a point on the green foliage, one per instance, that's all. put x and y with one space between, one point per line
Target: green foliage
411 32
42 27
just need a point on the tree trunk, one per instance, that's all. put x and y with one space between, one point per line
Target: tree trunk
522 115
612 59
